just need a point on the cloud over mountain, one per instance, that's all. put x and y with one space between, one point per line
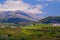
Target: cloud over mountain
4 15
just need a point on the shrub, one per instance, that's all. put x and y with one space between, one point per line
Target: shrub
9 35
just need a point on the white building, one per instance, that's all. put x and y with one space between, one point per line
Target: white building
56 24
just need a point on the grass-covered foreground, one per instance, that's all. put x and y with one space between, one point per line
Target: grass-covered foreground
33 32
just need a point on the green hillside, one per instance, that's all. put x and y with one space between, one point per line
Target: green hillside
50 19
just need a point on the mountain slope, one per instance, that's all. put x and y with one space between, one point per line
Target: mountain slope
50 19
17 16
15 20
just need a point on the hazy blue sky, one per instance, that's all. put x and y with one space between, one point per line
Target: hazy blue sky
40 7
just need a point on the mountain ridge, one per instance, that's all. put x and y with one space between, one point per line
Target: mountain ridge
19 13
6 15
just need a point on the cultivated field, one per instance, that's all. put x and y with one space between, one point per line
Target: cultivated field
33 32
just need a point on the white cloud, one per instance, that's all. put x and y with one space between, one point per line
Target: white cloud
50 0
46 4
12 5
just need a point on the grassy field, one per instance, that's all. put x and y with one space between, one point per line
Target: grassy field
33 32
